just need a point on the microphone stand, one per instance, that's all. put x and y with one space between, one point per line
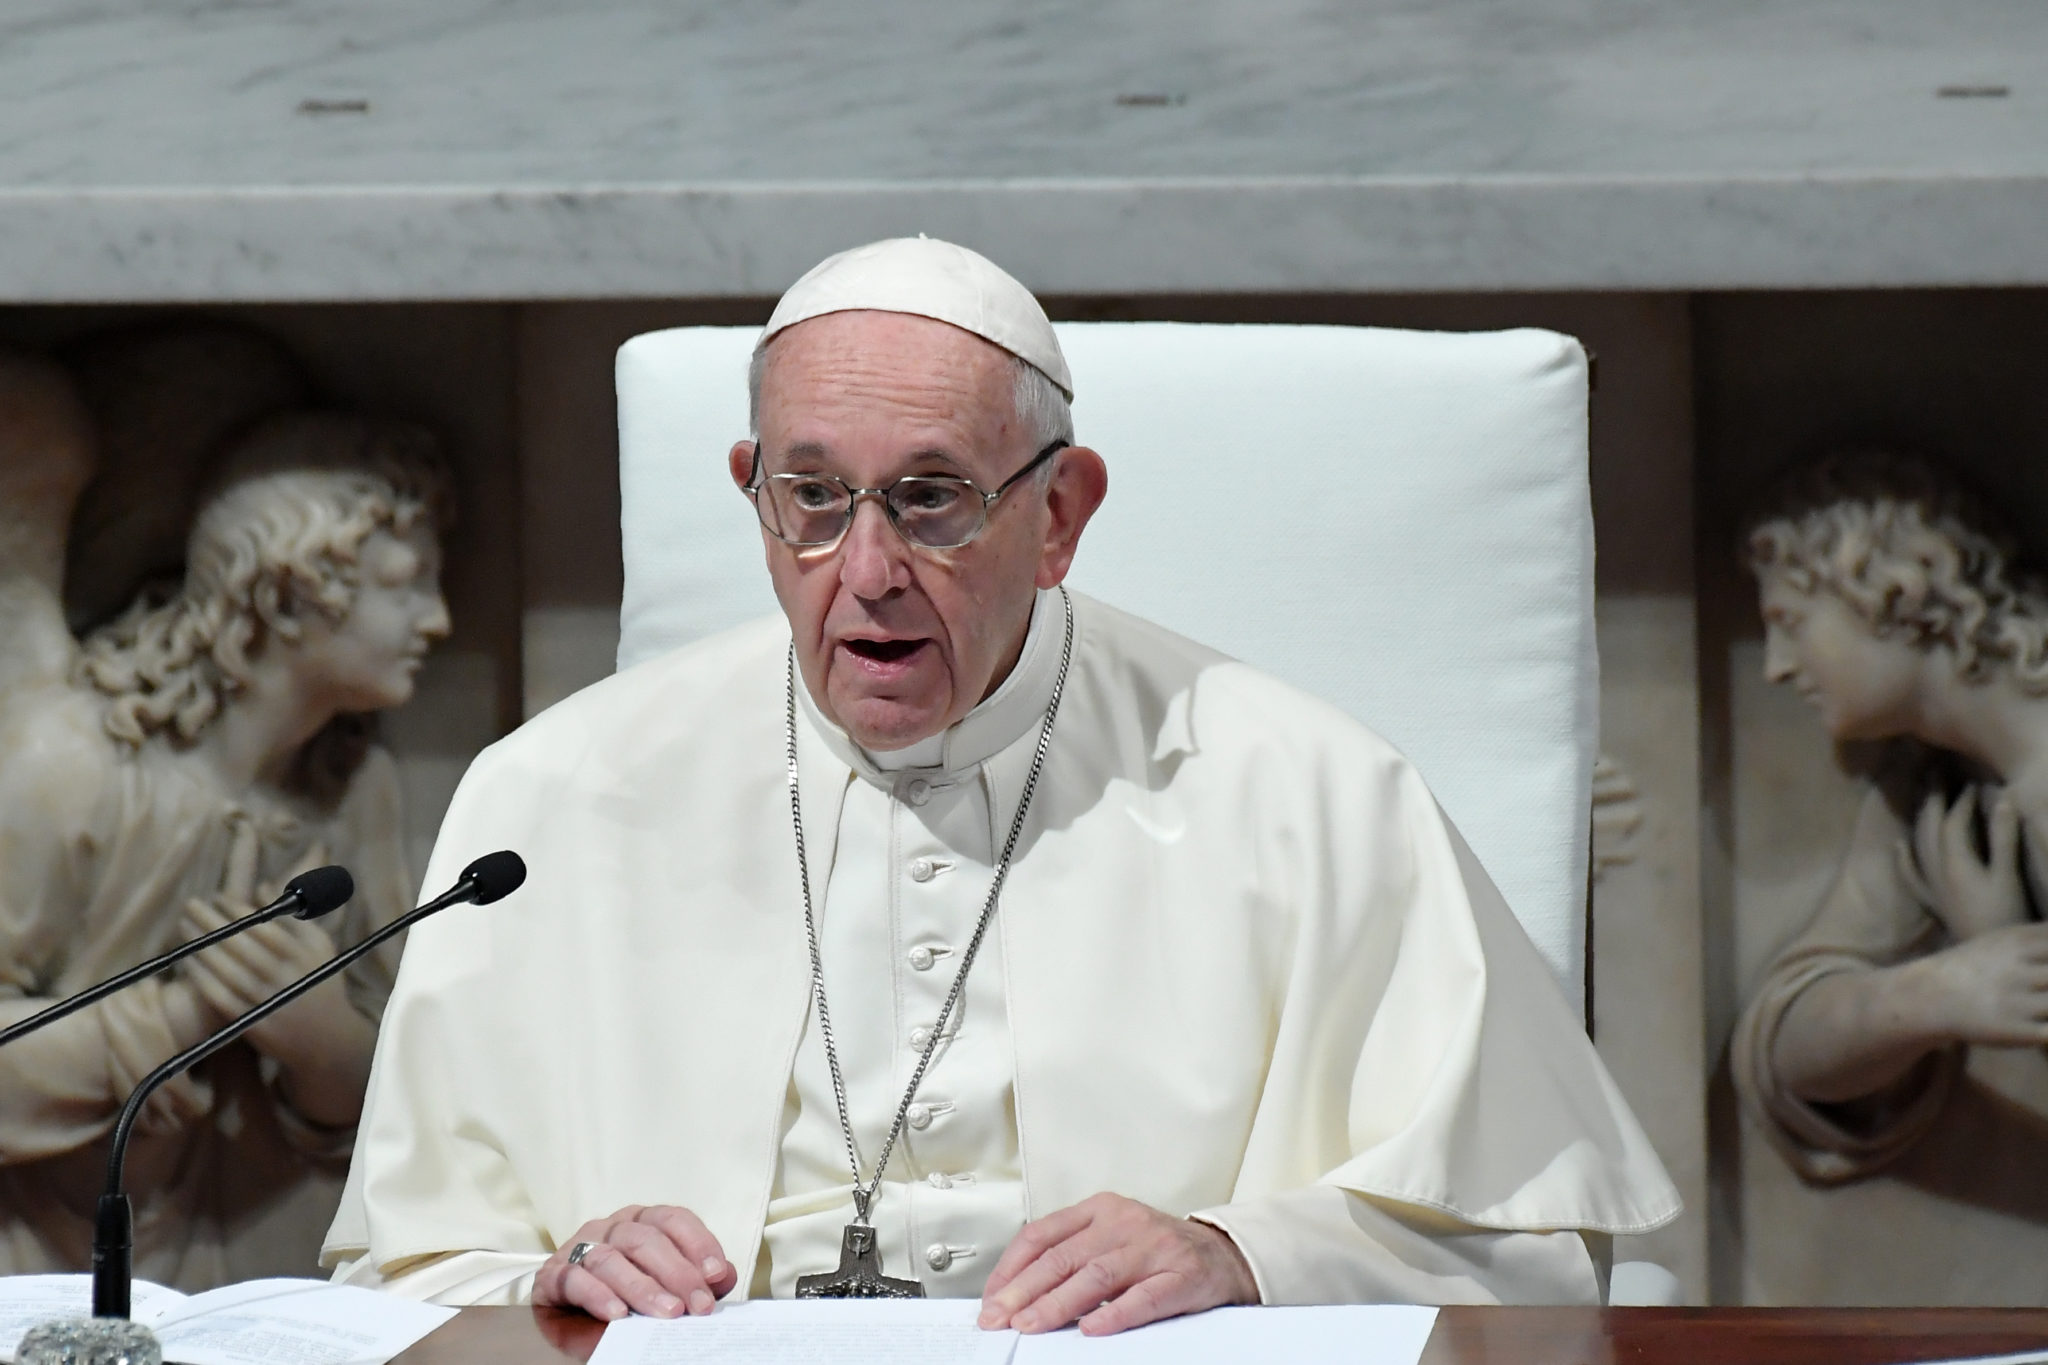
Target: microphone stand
109 1337
309 895
113 1241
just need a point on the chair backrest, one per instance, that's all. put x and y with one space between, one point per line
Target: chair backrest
1398 522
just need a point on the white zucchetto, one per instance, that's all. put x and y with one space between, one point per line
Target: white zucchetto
932 279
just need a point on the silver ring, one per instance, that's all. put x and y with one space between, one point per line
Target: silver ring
579 1251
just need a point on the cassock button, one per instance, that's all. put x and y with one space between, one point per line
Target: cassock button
922 958
918 1116
923 869
938 1255
919 1036
917 791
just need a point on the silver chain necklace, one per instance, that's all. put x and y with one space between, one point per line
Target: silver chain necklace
859 1274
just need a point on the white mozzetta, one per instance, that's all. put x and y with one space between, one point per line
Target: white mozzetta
1250 973
1397 522
612 148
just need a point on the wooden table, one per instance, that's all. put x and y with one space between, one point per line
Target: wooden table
1473 1336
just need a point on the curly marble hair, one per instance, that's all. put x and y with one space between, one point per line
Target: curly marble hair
1911 551
278 532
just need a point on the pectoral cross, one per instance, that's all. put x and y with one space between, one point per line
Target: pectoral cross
860 1273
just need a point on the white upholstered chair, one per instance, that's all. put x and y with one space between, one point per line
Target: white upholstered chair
1396 521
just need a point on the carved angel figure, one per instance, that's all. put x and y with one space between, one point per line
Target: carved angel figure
1894 604
168 773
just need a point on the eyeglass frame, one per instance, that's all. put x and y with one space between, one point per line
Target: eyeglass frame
756 480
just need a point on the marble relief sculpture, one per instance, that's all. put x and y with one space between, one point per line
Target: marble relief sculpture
1894 603
170 771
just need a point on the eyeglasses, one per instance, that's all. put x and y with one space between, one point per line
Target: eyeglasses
936 511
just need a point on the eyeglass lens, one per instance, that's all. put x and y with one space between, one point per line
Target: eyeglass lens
813 509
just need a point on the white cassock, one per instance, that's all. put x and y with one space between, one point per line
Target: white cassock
1243 968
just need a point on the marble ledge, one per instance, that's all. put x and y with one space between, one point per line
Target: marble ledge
1075 237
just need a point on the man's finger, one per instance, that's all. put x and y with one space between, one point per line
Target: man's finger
696 1242
1094 1282
612 1273
1053 1267
1149 1300
667 1264
1031 1241
578 1288
548 1283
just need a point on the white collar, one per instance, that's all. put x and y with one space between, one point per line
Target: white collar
1001 719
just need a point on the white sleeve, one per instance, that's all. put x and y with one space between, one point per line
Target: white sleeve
460 1279
1323 1244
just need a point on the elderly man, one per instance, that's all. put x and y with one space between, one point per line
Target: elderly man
952 933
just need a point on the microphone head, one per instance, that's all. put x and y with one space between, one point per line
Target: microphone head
322 889
495 875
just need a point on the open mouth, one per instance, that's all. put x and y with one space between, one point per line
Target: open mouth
884 651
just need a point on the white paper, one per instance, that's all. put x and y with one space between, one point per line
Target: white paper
1361 1334
29 1300
294 1322
826 1332
262 1322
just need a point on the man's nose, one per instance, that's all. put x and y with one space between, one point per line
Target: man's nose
876 562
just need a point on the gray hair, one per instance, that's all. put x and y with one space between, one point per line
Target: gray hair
1042 409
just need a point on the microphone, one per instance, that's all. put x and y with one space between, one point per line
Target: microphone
491 877
306 896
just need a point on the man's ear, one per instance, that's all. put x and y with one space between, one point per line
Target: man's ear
740 462
1080 481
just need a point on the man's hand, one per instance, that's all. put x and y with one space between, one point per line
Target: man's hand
659 1260
1112 1263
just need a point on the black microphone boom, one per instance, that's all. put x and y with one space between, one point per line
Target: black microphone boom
491 877
308 896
